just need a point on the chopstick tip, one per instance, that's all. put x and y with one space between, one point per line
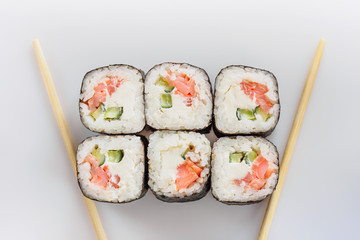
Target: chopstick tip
35 42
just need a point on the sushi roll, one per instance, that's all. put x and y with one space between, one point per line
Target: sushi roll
112 168
244 169
246 101
178 96
112 101
179 165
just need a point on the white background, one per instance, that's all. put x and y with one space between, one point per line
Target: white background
40 198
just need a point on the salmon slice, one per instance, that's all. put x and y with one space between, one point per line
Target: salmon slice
185 86
117 178
247 179
194 167
268 172
98 97
101 176
114 185
187 173
98 175
106 169
101 87
257 90
257 184
265 103
112 84
102 90
182 88
260 172
260 167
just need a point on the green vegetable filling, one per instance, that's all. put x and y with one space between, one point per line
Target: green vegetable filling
236 157
97 112
98 155
113 113
166 101
257 113
247 157
167 87
245 114
115 156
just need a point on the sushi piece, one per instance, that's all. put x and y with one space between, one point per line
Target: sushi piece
178 96
179 165
112 168
246 101
244 169
112 101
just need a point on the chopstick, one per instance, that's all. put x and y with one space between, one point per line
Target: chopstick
50 88
269 214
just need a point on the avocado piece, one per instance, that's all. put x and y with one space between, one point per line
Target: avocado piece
245 114
113 113
115 156
236 157
97 113
98 155
259 112
167 87
250 157
166 101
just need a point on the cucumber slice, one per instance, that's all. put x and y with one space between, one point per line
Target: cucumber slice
250 157
102 105
245 114
246 160
236 157
166 101
113 113
97 113
161 82
259 112
169 89
115 156
165 84
98 155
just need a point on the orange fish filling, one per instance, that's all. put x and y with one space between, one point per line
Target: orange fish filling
102 90
185 86
260 172
187 173
100 176
257 90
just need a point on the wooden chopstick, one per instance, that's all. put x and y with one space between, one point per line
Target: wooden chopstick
269 214
50 88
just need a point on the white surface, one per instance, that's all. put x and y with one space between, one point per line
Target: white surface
40 198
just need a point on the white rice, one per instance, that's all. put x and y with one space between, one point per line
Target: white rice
128 95
179 116
229 97
223 172
130 169
164 153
